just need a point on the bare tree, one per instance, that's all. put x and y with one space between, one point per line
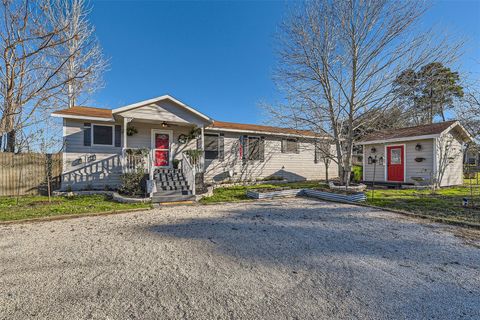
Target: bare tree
28 74
86 64
338 60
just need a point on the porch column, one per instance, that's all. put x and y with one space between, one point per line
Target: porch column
202 139
125 123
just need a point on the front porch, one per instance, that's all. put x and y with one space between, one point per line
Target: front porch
170 154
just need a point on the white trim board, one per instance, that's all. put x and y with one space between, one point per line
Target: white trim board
266 133
430 136
68 116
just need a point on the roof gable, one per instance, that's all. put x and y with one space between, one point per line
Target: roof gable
157 101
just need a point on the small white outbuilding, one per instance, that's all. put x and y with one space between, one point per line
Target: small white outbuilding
422 155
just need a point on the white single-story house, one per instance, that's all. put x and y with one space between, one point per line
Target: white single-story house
164 133
425 154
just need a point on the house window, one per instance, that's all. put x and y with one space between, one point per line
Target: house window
102 135
211 146
254 148
289 145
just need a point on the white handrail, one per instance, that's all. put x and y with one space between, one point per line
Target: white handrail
189 171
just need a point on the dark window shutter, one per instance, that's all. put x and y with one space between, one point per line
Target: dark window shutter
315 154
297 146
221 147
244 142
262 148
284 147
118 135
87 134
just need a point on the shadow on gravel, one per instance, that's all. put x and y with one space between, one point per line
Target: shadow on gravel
291 235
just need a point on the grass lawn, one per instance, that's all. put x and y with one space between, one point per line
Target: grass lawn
38 206
446 202
238 193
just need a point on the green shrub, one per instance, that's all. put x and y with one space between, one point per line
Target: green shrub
133 183
357 173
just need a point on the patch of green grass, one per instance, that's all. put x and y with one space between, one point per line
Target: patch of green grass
38 206
238 193
446 202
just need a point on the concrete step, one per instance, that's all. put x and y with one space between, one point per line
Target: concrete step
172 198
172 188
172 193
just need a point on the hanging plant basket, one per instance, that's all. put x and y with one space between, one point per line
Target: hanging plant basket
131 130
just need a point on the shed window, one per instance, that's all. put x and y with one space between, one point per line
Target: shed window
289 145
102 135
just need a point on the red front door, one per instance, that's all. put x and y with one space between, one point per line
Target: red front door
162 150
395 163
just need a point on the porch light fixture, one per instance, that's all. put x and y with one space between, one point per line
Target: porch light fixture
418 147
370 160
164 124
373 150
380 161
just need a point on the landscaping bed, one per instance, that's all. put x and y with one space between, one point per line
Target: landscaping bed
238 193
30 207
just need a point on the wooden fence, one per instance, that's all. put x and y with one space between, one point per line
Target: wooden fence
29 173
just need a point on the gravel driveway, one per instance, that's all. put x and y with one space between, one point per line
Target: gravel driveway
282 259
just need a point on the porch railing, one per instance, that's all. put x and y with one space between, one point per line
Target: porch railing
189 171
136 159
196 159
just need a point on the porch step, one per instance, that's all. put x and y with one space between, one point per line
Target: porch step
171 183
172 188
162 171
172 193
168 178
172 198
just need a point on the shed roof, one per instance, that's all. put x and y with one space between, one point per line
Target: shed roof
410 132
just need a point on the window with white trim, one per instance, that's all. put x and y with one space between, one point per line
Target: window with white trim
102 135
211 146
290 145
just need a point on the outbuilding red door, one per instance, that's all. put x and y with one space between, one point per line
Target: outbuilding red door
395 163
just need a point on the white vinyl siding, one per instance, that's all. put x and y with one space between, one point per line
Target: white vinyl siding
294 167
453 175
413 169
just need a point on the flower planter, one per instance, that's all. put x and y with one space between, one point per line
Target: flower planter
330 196
255 194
